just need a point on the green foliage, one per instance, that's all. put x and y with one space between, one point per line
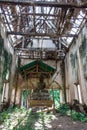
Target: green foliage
24 119
7 64
5 114
25 93
65 110
56 94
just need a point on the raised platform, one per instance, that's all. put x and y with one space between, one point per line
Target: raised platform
47 103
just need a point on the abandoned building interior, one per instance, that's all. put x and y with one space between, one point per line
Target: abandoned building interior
43 46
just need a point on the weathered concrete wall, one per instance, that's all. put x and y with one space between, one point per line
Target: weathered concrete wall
7 63
76 68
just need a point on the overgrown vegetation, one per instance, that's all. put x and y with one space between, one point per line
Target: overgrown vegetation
24 119
65 110
56 95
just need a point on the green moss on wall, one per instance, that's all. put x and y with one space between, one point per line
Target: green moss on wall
5 64
1 53
73 60
83 47
83 55
1 45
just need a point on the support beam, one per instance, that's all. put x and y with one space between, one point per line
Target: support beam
36 48
6 18
41 14
43 4
54 35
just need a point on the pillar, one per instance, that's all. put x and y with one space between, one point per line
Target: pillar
61 96
81 79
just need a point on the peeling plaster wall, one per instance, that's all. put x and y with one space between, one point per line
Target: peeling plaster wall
7 64
76 67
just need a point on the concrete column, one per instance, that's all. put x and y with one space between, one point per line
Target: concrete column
79 94
12 97
76 92
12 82
6 92
18 97
61 97
2 97
81 79
68 98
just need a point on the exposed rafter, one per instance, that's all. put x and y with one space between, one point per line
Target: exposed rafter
43 20
6 18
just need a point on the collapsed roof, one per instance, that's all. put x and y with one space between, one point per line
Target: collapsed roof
54 21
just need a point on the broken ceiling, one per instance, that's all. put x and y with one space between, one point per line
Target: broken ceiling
58 21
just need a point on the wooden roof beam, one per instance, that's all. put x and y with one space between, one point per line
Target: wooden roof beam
40 14
54 35
43 4
6 18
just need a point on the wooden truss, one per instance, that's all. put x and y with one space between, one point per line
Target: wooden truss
47 19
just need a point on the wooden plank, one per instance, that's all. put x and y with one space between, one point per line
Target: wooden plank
33 103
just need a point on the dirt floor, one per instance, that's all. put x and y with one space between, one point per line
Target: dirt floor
66 123
24 120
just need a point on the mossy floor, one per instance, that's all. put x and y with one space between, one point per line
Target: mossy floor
22 119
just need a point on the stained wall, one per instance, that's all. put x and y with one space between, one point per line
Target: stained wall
7 64
76 68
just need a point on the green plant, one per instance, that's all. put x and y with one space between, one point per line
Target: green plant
56 94
65 110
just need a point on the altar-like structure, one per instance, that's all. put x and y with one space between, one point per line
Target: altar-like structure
41 96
